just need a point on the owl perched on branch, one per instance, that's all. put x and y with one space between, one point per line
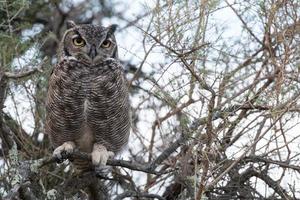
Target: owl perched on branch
87 102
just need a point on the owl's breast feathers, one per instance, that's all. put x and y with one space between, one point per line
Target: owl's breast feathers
88 98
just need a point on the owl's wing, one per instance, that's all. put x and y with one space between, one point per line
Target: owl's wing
63 105
108 115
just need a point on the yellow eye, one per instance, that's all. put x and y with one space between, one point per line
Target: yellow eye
78 42
106 44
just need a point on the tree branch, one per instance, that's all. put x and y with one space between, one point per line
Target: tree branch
112 162
17 75
270 182
256 159
136 194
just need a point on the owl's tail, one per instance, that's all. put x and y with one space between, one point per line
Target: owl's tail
94 187
97 189
82 165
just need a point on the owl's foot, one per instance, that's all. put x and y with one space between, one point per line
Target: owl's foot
61 152
100 155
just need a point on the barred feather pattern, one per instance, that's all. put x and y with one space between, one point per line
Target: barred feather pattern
88 105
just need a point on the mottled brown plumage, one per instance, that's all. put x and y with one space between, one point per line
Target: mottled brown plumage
87 102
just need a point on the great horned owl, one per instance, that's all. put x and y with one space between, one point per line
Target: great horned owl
87 103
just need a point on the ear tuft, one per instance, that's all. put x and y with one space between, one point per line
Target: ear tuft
70 24
112 28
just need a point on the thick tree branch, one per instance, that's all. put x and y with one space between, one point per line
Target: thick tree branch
110 162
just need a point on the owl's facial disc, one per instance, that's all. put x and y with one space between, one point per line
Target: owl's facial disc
89 44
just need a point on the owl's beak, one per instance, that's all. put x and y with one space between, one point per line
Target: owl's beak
93 52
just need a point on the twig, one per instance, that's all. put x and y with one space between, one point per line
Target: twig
270 182
217 179
15 75
256 159
167 152
136 194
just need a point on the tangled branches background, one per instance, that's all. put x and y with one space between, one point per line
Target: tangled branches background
214 93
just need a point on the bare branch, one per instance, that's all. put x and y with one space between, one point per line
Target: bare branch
17 75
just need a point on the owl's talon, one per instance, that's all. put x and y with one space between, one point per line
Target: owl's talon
63 151
100 155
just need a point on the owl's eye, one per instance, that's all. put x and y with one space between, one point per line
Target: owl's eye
78 42
106 44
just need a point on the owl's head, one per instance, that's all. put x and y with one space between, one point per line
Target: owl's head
88 43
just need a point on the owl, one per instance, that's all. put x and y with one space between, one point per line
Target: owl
87 106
